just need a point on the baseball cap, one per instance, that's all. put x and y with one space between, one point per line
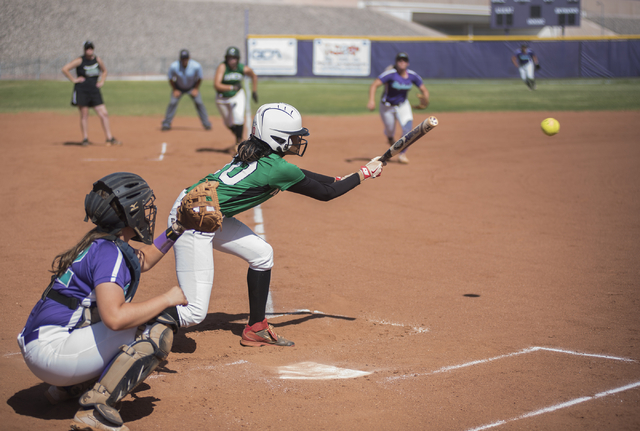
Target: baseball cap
184 54
232 51
88 45
402 56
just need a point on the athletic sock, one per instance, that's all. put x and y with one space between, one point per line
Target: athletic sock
258 283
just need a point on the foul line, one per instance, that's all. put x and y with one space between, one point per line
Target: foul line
163 151
560 406
521 352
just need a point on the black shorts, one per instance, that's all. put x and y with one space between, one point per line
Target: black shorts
86 96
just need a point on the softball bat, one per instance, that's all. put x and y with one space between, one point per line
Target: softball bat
403 143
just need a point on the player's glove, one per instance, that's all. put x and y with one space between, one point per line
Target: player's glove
423 102
373 169
537 66
254 96
200 209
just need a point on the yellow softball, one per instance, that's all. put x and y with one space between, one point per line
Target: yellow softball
550 126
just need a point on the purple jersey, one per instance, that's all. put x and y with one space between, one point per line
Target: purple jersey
524 57
101 262
396 87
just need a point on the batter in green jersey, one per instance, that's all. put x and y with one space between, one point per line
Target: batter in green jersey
246 185
231 99
257 173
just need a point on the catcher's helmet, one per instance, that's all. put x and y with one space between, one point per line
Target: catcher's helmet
275 124
232 51
119 200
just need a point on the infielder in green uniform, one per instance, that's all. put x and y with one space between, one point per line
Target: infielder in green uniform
231 98
257 173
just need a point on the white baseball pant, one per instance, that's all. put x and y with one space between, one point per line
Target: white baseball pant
194 260
64 358
526 71
232 109
401 113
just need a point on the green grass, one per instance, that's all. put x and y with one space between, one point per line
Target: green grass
339 97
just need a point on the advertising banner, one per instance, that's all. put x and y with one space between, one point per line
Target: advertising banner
273 56
341 57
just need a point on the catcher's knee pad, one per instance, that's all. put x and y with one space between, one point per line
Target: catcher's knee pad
130 367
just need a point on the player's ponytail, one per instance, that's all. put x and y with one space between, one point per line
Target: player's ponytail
63 261
252 149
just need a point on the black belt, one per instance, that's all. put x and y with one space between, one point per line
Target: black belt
71 303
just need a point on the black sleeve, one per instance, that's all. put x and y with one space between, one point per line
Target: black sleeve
313 185
324 179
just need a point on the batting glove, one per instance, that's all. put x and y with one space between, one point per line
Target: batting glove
373 169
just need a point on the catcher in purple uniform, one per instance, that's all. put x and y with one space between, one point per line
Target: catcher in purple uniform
394 105
84 336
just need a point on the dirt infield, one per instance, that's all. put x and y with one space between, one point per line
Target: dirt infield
490 283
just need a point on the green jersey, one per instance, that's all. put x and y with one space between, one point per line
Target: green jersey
246 185
232 77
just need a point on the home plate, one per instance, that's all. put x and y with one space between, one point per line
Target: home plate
314 371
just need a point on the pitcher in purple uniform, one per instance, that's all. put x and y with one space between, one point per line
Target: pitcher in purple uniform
84 336
394 105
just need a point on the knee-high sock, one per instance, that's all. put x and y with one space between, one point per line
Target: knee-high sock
258 283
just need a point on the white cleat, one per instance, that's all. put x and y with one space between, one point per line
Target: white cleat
91 420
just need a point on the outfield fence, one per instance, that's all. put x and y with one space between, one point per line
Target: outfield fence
432 58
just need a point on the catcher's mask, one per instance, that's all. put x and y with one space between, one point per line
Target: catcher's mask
279 125
119 200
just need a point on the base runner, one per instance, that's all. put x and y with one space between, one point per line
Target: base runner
231 99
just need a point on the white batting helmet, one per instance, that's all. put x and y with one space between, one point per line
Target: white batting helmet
275 123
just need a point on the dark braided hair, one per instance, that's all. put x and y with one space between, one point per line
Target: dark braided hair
252 150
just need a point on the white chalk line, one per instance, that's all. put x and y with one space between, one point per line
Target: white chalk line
559 406
159 374
521 352
416 329
6 355
163 151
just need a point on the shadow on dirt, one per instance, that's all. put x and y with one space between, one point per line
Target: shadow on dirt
32 402
235 323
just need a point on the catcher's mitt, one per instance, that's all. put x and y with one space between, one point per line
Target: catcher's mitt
423 102
200 209
538 66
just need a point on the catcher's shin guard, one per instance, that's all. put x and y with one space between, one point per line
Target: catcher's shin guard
130 367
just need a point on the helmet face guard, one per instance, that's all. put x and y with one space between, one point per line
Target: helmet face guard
279 125
144 228
122 200
297 144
